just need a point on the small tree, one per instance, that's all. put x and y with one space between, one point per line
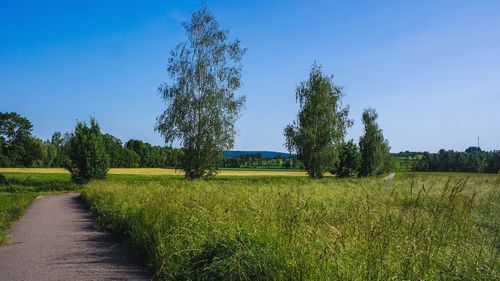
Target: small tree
321 123
349 160
87 153
375 155
202 107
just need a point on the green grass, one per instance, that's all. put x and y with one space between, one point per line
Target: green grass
418 226
12 206
21 189
23 182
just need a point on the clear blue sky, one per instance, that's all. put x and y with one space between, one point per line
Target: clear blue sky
430 68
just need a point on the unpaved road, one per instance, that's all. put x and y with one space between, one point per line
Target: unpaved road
56 240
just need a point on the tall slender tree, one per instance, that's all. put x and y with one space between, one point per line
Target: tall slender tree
202 105
375 155
321 123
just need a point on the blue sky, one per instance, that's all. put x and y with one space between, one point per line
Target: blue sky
430 68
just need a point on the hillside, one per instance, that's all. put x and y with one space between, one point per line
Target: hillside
264 154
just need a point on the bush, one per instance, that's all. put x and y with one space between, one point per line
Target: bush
349 161
88 156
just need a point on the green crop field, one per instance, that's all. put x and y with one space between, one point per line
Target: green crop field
415 227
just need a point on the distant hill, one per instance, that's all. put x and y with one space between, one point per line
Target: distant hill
264 154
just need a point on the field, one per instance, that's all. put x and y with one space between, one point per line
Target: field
162 172
426 226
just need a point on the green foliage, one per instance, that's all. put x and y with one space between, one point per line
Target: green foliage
256 161
150 156
321 123
375 155
411 228
454 161
87 153
13 127
349 160
57 150
129 159
202 106
114 148
17 146
12 206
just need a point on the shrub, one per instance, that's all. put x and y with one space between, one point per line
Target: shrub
349 160
88 156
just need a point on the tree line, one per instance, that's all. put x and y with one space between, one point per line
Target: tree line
473 160
19 148
257 161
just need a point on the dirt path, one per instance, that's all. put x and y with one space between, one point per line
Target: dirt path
56 240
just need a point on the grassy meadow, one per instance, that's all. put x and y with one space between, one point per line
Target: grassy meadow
415 227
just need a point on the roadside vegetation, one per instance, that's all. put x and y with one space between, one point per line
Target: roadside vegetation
12 206
428 227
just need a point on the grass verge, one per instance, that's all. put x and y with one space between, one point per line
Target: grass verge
12 206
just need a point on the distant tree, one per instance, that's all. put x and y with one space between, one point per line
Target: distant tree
172 156
140 148
349 160
17 146
375 155
34 151
150 156
57 150
493 164
114 148
128 159
202 106
321 123
87 153
13 127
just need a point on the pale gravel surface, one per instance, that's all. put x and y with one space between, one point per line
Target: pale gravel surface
56 240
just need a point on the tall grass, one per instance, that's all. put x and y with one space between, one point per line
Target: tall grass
425 227
12 206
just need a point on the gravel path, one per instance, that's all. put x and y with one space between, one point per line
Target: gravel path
56 240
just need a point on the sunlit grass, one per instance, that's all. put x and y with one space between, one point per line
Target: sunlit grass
159 172
12 206
277 228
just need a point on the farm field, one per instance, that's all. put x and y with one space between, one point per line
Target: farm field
417 226
165 172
